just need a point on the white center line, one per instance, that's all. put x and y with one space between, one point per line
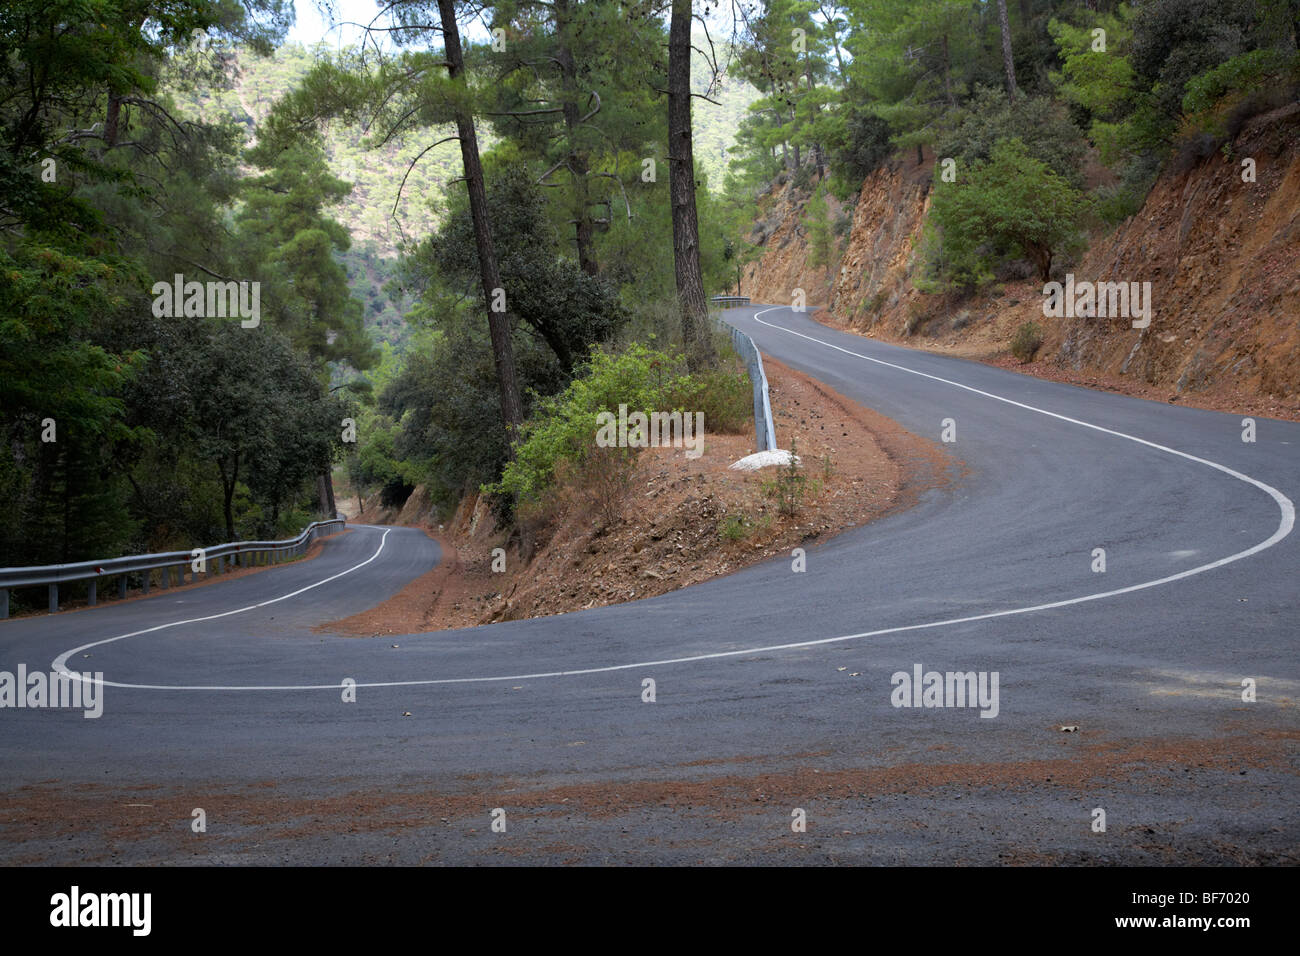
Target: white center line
1285 525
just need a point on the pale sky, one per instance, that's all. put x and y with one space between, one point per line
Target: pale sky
312 27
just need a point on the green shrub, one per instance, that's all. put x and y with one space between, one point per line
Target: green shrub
1116 203
1027 341
789 486
1013 206
726 399
818 228
560 438
735 528
802 179
1241 74
1037 123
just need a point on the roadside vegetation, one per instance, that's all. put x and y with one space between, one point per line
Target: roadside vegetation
465 251
1045 121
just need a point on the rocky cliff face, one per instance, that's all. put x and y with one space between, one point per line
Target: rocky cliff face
784 265
1223 259
874 284
1222 256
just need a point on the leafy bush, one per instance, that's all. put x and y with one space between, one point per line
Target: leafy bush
789 486
606 477
816 223
1011 206
1040 125
803 177
725 398
736 528
567 308
1175 41
858 149
448 405
559 441
1218 102
1027 341
1116 203
1241 74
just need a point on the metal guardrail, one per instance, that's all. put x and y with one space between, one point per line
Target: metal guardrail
213 560
764 429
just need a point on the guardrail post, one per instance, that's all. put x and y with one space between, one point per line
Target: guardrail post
164 574
145 586
121 587
91 593
54 598
4 603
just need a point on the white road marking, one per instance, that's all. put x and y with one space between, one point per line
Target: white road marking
1285 525
61 662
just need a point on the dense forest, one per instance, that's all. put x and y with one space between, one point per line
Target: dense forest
396 199
231 267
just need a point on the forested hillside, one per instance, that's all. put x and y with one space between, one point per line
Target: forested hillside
232 267
965 156
397 189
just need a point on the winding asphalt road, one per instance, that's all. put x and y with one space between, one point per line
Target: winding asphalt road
772 688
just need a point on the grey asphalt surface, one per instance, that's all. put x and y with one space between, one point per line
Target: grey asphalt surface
710 772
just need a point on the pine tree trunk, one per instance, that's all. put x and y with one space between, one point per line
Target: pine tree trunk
681 186
947 73
794 147
228 494
1007 61
499 323
582 224
111 119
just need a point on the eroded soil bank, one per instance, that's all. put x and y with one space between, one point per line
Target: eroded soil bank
682 521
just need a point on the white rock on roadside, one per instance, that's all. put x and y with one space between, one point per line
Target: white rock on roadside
763 459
